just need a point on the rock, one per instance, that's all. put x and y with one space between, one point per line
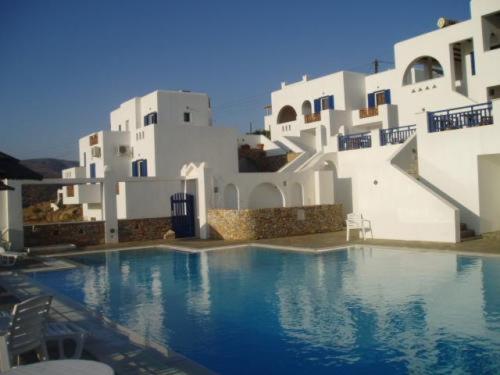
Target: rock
170 235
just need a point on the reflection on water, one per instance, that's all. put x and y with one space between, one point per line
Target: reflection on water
360 310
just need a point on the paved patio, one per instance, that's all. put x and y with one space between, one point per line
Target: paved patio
489 243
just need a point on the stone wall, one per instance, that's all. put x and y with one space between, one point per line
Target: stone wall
274 222
143 229
261 161
83 233
87 233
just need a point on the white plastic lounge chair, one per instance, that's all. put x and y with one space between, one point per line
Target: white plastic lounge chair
356 221
9 258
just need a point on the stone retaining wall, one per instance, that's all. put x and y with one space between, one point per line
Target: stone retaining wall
143 229
87 233
83 233
274 222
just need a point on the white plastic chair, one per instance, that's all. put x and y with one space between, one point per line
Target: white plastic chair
356 221
25 331
28 330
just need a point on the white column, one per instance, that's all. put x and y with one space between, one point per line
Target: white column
203 192
375 134
109 211
11 212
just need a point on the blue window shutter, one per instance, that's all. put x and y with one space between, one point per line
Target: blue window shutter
331 102
387 94
317 105
134 169
371 100
473 63
92 170
144 168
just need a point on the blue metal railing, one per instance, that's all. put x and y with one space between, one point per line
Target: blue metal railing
396 135
355 141
462 117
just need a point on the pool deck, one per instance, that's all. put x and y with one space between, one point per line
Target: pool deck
488 244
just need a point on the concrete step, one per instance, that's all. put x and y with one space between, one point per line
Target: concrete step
467 233
478 237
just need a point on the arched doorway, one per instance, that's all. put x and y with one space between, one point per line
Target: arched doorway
266 195
422 69
287 114
306 108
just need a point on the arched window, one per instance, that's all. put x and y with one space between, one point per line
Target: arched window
287 114
306 108
266 195
422 69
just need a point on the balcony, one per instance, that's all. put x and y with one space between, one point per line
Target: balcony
396 135
355 141
368 112
312 117
384 115
462 117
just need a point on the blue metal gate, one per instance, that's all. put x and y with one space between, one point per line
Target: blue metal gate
182 206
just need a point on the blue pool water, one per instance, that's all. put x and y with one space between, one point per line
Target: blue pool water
251 311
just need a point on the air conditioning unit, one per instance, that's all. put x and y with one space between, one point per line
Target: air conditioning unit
124 150
96 152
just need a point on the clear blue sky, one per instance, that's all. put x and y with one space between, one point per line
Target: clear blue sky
64 65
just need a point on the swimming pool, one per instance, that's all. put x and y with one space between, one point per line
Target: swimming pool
254 310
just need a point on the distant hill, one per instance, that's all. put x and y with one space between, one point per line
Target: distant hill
49 168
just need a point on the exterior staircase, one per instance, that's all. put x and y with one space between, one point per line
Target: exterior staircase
411 168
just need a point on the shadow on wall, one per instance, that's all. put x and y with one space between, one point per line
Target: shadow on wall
266 195
466 216
342 188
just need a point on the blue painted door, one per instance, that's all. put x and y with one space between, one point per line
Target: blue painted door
92 170
182 206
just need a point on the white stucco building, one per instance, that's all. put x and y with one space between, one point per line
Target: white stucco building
415 149
389 145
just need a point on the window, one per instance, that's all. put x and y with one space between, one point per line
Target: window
325 102
378 98
472 64
126 125
119 128
140 168
150 118
187 117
